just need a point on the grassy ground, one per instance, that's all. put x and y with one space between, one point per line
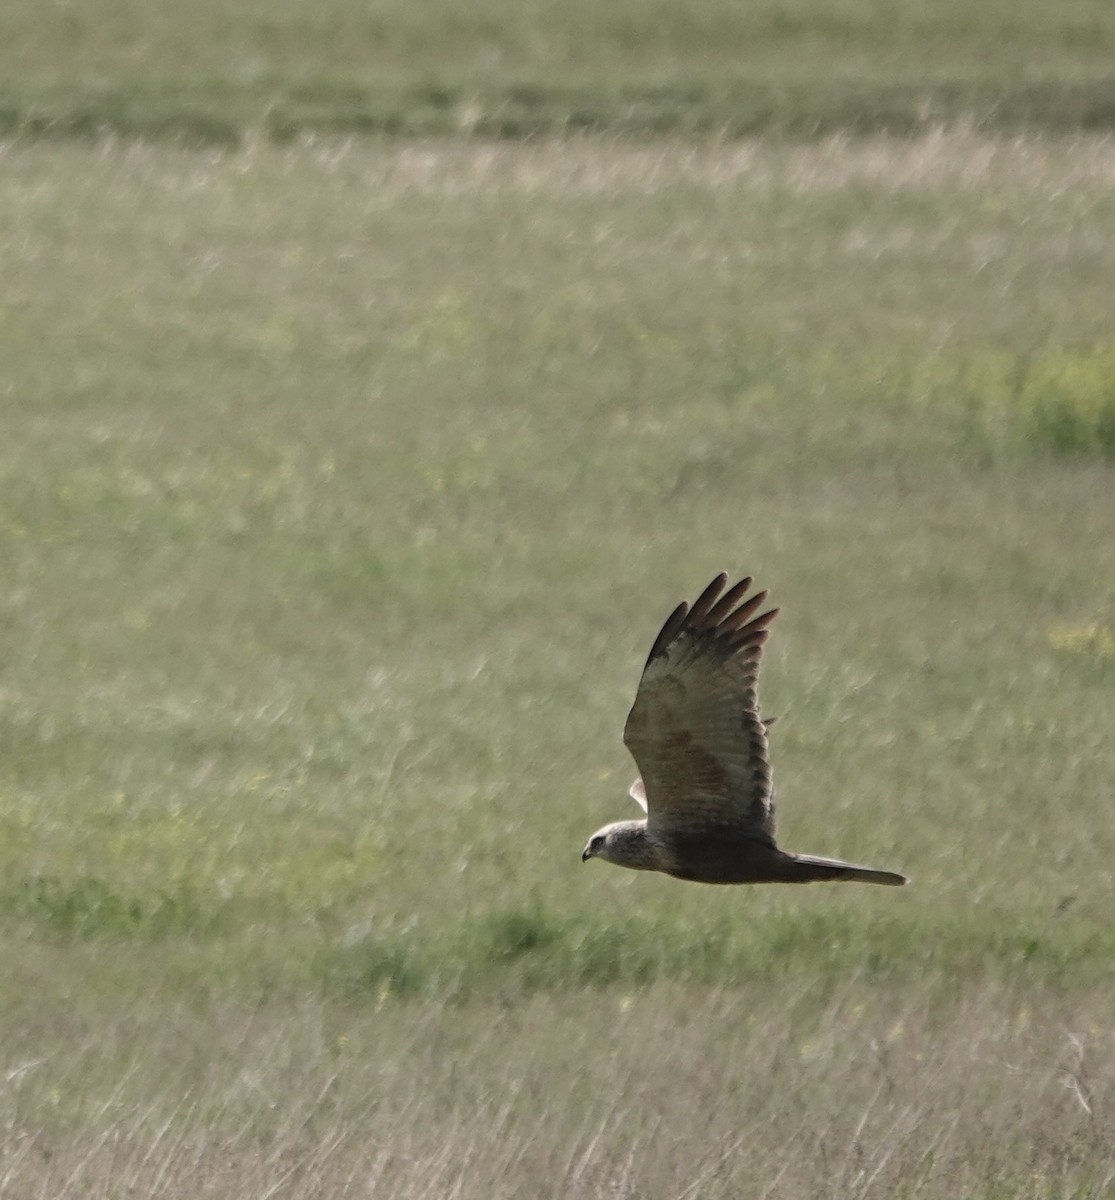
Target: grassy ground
949 1089
506 68
343 488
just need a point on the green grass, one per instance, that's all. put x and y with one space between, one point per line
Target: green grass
336 528
343 487
499 68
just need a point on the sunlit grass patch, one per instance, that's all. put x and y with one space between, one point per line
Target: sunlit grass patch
1086 641
1067 402
1058 402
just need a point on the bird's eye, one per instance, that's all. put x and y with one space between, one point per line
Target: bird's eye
596 843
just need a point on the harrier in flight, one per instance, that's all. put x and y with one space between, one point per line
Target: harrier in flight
701 748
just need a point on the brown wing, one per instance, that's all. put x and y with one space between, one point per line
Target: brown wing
695 729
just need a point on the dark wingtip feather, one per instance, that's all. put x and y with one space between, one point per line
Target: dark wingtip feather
704 602
729 627
669 631
741 615
721 609
755 632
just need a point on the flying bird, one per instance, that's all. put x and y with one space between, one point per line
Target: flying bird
701 749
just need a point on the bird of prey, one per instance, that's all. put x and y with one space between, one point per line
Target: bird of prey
701 748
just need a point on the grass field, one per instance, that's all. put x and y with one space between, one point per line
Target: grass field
223 69
344 484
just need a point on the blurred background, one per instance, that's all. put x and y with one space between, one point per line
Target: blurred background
376 378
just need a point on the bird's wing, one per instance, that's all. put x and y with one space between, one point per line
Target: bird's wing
638 792
695 729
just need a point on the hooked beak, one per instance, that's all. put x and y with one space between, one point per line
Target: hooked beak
586 854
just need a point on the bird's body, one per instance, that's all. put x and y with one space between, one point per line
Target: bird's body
701 746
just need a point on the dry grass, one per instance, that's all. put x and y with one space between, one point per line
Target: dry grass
949 1090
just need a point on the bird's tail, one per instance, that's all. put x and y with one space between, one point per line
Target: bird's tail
809 868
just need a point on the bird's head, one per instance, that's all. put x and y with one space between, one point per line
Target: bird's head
623 843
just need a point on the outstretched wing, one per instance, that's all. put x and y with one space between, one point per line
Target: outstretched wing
695 729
